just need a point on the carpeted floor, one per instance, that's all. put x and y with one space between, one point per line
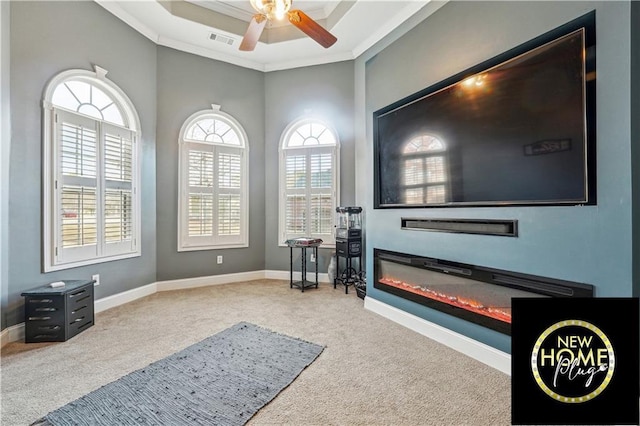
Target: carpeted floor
372 372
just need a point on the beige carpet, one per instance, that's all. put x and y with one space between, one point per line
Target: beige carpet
372 372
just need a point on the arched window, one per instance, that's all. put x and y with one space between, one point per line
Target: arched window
309 169
91 171
425 177
213 199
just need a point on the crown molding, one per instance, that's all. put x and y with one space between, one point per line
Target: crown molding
185 10
124 16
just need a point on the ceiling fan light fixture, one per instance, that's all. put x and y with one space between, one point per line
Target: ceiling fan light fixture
278 9
272 9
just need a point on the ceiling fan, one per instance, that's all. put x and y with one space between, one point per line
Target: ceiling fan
277 9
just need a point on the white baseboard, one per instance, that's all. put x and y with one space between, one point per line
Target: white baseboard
124 297
486 354
15 333
210 280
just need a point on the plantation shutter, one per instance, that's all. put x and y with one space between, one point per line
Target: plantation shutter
229 193
321 194
309 193
94 190
200 192
76 187
213 191
296 194
118 189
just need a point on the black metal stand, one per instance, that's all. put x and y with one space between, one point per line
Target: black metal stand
303 283
347 276
349 247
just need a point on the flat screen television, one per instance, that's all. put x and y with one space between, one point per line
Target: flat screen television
517 129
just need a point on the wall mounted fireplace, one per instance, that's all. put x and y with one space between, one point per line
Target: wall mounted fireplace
474 293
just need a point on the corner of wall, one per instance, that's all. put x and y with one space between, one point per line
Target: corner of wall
635 142
5 146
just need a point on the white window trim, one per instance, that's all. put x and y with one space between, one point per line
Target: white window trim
132 121
282 237
183 244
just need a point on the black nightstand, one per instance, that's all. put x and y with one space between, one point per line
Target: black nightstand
56 314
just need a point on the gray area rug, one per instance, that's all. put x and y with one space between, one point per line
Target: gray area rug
223 380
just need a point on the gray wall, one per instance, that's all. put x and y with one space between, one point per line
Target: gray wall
47 38
5 147
187 84
327 91
586 244
635 139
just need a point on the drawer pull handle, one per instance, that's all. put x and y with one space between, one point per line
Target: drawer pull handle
77 293
46 309
39 318
49 327
45 336
40 300
86 297
79 309
76 320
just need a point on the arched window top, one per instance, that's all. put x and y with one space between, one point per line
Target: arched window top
425 144
307 133
213 127
91 94
88 99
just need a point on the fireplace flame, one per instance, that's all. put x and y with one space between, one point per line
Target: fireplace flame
450 299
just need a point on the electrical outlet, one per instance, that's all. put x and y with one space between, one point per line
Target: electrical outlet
96 278
313 257
219 260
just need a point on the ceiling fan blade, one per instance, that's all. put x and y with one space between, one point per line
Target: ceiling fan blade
311 28
251 37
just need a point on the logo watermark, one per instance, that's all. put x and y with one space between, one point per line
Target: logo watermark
573 361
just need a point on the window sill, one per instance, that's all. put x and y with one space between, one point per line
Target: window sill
63 266
220 247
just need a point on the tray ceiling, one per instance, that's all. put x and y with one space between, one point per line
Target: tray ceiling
214 28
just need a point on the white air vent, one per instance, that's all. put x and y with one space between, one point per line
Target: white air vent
221 38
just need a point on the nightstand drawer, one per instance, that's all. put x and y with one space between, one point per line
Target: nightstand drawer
39 306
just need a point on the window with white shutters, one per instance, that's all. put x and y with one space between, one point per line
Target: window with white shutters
90 172
213 201
309 165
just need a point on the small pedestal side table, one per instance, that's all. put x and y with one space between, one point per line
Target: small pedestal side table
303 243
